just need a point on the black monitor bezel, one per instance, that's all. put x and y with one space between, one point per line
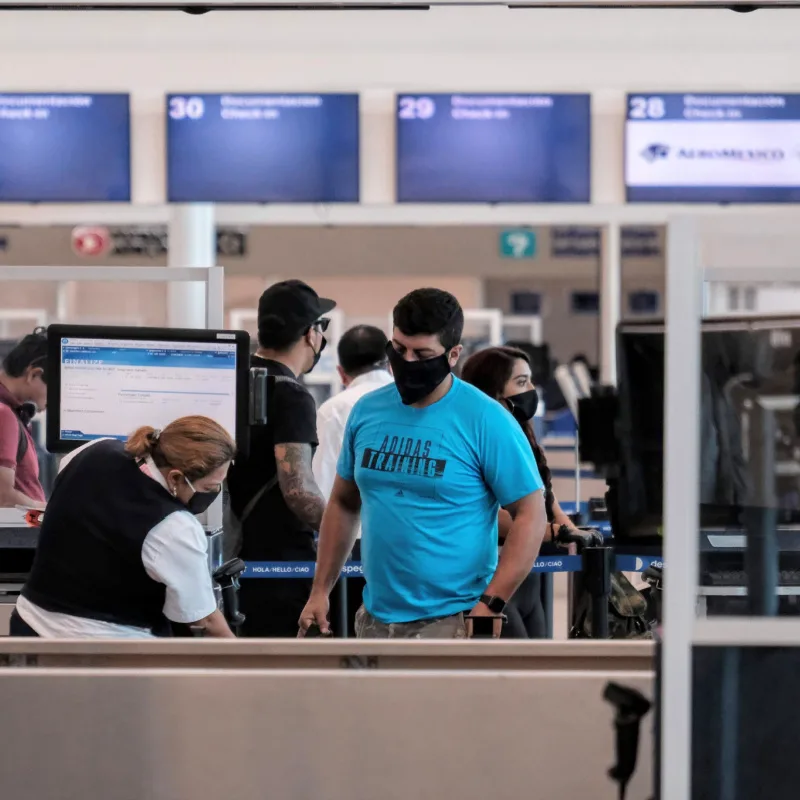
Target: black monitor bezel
657 326
55 444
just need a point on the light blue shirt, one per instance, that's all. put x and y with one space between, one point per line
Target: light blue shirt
431 482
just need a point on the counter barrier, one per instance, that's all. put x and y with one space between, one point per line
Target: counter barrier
336 733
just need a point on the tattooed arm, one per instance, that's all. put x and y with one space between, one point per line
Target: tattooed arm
298 487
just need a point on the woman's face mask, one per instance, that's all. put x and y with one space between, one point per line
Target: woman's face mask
200 501
524 405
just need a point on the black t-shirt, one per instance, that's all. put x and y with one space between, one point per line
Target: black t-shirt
272 532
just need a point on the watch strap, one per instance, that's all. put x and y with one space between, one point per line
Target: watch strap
494 603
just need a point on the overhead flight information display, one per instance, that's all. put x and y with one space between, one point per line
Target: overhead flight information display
64 148
713 148
263 148
498 148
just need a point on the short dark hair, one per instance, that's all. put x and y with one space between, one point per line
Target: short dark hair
31 350
279 339
427 311
362 349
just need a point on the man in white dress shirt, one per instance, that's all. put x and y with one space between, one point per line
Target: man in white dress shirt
363 367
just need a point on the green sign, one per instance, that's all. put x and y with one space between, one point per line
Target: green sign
519 243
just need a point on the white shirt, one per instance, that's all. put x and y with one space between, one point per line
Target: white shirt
174 552
332 417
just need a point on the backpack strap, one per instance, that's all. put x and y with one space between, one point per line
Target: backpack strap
273 481
22 441
22 445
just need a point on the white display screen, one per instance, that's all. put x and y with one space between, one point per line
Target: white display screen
713 148
110 387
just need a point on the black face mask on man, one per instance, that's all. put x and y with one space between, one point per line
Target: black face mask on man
317 354
415 380
200 501
524 405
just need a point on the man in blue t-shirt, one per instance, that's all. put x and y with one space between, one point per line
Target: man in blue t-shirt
427 462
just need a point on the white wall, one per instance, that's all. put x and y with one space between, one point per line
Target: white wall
606 52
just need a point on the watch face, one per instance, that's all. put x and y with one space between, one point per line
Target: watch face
495 604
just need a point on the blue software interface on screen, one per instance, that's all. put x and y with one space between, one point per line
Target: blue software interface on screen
58 148
110 387
713 148
262 148
499 148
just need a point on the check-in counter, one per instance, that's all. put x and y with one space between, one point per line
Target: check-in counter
17 548
315 720
586 656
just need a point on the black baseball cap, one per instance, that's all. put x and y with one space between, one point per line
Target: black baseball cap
291 306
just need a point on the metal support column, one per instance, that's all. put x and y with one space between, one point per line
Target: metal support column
681 499
610 289
192 243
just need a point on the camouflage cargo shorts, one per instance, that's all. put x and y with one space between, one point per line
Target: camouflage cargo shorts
367 627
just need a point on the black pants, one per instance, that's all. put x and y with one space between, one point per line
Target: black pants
18 626
525 611
272 607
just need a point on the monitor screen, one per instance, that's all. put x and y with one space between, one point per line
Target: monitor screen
498 148
65 148
712 148
262 148
106 382
746 363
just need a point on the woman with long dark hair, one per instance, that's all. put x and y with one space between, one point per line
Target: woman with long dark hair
504 373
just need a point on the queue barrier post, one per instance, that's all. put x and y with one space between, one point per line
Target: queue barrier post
597 567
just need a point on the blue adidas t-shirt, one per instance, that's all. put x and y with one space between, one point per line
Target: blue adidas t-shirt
431 481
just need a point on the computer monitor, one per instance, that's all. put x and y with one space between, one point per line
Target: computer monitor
747 363
108 381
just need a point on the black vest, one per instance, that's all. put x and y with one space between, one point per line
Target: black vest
89 557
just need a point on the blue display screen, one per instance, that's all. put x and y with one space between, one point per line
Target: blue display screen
64 148
262 148
499 148
713 148
110 387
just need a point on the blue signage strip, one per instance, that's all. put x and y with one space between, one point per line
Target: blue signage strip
637 563
353 569
730 107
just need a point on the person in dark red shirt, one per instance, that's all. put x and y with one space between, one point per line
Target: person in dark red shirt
23 393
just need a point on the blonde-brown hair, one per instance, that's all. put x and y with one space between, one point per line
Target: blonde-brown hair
194 445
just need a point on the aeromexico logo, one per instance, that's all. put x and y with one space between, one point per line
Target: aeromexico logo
661 152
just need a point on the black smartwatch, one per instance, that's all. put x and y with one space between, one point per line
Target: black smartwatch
495 604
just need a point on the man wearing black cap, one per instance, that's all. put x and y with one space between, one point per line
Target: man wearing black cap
272 491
